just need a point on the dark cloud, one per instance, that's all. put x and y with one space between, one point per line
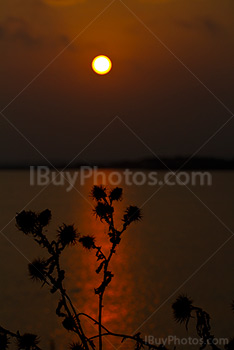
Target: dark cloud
17 30
206 24
212 26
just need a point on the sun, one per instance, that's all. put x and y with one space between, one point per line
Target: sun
101 65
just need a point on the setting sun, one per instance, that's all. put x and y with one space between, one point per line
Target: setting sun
101 65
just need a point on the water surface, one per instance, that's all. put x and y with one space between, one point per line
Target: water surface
170 252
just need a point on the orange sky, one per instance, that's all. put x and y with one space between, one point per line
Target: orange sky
148 87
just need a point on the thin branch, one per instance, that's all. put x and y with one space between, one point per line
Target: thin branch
135 338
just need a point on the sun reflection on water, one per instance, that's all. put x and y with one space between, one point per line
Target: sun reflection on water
126 298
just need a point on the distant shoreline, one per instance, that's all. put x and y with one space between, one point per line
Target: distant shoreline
202 163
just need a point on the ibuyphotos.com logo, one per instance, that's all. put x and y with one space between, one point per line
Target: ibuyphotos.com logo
43 176
173 340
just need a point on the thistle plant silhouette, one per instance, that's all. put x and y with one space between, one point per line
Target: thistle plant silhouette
184 311
50 273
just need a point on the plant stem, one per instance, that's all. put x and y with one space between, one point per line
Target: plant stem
100 320
125 336
65 297
82 336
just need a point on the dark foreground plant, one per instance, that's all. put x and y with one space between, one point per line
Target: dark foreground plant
184 310
49 272
25 341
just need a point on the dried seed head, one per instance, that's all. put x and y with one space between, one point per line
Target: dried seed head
132 213
116 194
37 270
26 221
27 342
98 192
88 242
182 309
67 234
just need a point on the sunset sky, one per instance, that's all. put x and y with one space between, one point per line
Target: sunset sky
53 98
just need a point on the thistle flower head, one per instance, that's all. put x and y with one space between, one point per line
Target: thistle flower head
69 323
27 342
76 346
103 210
98 192
132 213
182 309
88 242
4 341
116 194
44 217
26 221
67 234
37 270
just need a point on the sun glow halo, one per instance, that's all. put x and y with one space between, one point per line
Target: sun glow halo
101 65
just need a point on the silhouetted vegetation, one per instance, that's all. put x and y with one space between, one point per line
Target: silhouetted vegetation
183 310
49 273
